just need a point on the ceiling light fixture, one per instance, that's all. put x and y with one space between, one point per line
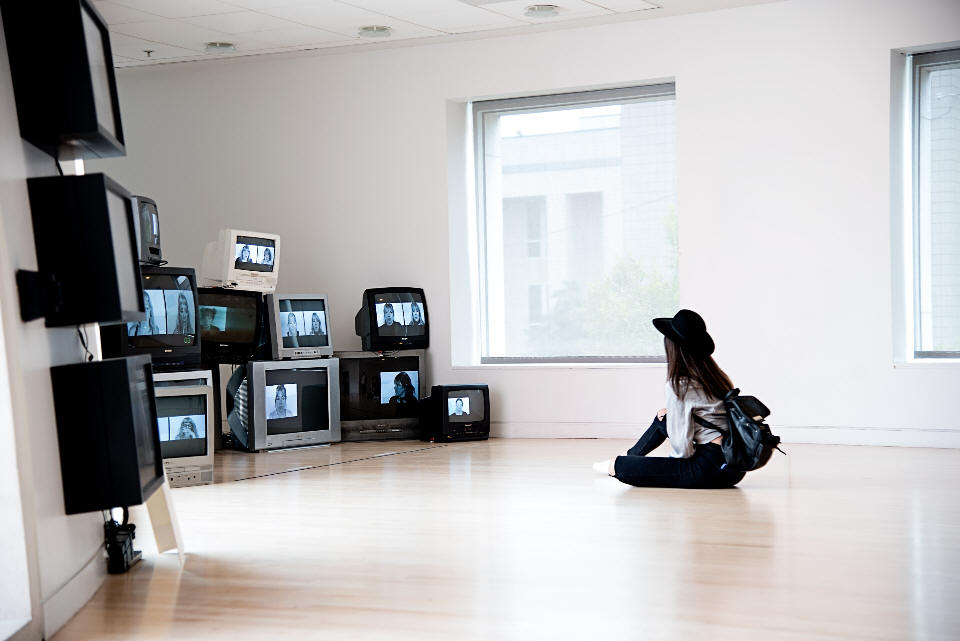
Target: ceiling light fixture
220 47
542 11
375 31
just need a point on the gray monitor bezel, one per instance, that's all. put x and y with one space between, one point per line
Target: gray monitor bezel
283 353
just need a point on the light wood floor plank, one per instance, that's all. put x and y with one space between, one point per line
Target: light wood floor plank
519 539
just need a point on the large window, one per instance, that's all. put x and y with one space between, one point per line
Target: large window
578 224
936 200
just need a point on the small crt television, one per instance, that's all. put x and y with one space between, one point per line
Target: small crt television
185 425
299 325
392 318
292 403
148 230
168 332
456 413
242 260
380 395
106 417
232 326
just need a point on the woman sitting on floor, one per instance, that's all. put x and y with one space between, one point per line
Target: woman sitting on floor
695 388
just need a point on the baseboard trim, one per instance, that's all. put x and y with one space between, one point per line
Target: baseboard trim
67 601
896 437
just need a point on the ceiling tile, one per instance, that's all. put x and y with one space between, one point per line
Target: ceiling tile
239 22
625 5
178 8
569 10
136 48
171 32
115 13
346 19
460 19
292 36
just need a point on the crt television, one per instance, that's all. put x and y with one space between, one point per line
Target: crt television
380 395
168 333
85 237
148 221
299 325
292 403
232 326
106 417
242 260
392 318
65 90
185 426
456 413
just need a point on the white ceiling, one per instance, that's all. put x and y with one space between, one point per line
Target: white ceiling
145 32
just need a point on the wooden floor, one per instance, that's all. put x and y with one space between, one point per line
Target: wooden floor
520 539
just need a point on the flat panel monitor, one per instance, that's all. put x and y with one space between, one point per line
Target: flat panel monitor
380 395
168 332
299 325
392 318
66 90
243 260
186 426
85 235
232 326
293 403
456 413
106 417
149 230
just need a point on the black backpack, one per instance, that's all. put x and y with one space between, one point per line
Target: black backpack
749 443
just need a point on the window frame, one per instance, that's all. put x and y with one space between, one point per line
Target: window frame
572 100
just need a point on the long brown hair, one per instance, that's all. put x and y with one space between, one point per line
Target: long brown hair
684 367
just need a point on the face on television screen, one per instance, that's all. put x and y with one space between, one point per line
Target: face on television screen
400 314
182 423
464 406
296 400
254 254
170 312
379 388
399 388
302 322
228 318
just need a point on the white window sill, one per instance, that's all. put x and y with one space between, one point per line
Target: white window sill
928 363
577 366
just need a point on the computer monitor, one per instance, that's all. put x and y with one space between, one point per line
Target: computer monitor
380 395
66 90
242 260
106 417
456 413
232 326
85 237
392 318
148 225
293 403
299 325
186 426
168 332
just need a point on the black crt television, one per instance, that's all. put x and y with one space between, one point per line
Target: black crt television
455 413
380 395
61 65
149 230
85 236
168 333
393 318
106 417
233 326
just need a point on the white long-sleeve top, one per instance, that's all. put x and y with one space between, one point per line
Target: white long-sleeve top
682 430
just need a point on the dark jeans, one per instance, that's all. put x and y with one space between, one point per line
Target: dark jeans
702 470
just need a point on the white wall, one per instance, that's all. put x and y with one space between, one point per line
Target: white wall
64 553
784 164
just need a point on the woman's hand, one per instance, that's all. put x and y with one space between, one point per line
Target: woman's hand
661 413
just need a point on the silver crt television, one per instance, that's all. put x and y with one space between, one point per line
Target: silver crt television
299 325
292 403
186 424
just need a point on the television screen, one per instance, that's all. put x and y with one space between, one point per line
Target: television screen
120 209
302 322
182 424
465 405
149 224
296 400
228 317
254 254
170 312
399 317
379 388
393 318
99 71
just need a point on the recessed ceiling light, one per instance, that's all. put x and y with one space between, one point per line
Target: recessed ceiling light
375 31
220 47
542 11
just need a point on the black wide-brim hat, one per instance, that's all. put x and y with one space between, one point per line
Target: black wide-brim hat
688 330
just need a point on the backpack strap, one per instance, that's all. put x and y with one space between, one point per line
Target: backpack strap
705 423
